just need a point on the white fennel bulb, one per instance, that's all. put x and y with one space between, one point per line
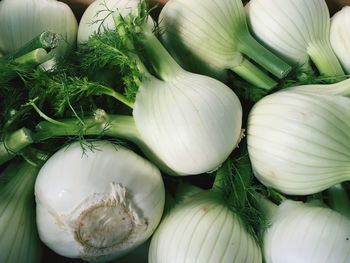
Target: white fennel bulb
97 205
216 33
203 229
297 30
22 20
304 233
340 36
298 139
191 122
99 16
19 240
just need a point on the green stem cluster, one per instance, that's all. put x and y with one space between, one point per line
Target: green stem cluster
100 124
46 40
36 51
261 55
248 46
33 58
161 61
249 71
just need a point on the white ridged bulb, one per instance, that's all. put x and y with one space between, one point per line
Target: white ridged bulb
190 122
199 27
340 36
297 30
97 205
19 240
298 138
203 229
304 233
22 20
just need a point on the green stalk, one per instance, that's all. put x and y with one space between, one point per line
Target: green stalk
119 22
42 114
338 200
325 60
117 126
114 94
254 75
101 124
14 143
158 57
261 55
33 58
46 40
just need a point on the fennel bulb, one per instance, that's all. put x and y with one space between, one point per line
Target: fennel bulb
190 122
298 139
340 36
305 233
19 240
22 20
97 205
99 16
216 33
297 30
202 229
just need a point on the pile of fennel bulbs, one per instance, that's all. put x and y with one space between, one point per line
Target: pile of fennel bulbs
157 85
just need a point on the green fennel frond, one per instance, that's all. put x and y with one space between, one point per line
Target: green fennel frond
107 51
100 21
117 49
10 71
63 93
245 90
13 91
299 77
240 194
